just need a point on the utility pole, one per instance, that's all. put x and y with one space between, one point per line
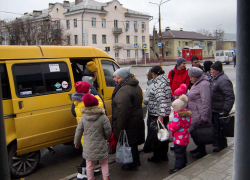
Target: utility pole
154 41
160 50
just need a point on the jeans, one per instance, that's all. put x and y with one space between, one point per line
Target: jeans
221 139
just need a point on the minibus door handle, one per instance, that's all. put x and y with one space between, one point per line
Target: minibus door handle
20 103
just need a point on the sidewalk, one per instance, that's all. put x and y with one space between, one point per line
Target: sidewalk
217 166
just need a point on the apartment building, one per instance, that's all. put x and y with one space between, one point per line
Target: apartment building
229 41
174 41
122 32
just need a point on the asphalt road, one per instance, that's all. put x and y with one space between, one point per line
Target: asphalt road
63 163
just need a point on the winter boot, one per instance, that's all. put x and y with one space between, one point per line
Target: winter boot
81 173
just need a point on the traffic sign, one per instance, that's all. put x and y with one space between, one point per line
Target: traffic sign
135 45
159 44
144 45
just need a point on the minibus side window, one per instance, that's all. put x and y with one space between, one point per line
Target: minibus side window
217 54
5 83
109 68
41 78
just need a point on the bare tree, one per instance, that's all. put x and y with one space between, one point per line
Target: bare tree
204 32
219 34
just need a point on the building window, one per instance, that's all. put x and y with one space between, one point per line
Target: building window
166 43
143 26
93 22
116 53
127 24
75 22
76 39
136 39
186 43
143 39
128 53
116 23
68 40
135 25
127 40
68 24
136 53
166 54
94 41
116 39
104 39
103 23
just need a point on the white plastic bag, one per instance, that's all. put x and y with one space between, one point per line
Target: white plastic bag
162 134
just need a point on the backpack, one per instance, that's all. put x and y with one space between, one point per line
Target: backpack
172 74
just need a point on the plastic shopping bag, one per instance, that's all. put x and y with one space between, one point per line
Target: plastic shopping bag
123 150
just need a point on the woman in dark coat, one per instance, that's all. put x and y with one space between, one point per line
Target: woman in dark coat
128 115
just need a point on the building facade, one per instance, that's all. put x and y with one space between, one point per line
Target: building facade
173 42
122 32
229 41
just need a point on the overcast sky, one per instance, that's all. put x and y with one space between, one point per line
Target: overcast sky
191 15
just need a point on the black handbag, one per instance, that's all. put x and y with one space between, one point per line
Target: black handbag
227 126
204 134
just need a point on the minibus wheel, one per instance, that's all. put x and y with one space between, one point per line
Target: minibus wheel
22 165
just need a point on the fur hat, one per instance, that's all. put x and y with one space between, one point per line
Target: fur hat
92 66
82 87
181 90
90 100
180 103
122 72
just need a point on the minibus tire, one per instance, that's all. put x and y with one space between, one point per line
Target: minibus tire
24 164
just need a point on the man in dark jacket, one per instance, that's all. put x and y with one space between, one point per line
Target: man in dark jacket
222 100
179 75
128 115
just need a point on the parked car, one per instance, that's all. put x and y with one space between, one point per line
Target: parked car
225 56
37 83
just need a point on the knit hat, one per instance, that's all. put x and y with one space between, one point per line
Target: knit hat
90 100
88 79
180 103
180 61
157 70
82 87
122 72
217 65
207 65
181 90
92 66
195 72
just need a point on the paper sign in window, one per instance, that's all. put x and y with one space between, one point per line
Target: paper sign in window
54 68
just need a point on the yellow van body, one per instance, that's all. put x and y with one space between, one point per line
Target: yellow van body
37 113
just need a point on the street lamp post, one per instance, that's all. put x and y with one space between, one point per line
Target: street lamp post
159 5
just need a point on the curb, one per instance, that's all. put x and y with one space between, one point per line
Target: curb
230 145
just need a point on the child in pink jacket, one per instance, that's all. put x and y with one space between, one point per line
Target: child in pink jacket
180 128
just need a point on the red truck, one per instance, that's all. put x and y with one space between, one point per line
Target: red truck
187 53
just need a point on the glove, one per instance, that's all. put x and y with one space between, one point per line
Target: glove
224 114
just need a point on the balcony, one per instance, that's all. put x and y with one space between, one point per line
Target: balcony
56 32
117 45
117 30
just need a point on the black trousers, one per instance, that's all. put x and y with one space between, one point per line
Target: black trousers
221 139
180 156
201 147
161 150
135 154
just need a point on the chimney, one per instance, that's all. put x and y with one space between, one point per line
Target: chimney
167 28
25 13
36 13
181 29
51 5
66 3
77 1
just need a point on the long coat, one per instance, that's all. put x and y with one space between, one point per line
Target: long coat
222 93
199 101
128 115
97 129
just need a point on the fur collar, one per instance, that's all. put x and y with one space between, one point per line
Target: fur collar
77 96
185 113
93 110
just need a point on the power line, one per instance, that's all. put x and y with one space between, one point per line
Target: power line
11 12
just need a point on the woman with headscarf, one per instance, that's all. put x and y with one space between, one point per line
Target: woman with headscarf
206 68
159 108
128 114
199 102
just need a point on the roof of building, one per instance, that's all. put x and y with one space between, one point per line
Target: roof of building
173 34
229 37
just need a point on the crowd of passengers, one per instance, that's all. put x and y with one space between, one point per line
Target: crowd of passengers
198 96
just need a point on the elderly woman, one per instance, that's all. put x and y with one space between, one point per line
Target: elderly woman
200 104
159 107
128 115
